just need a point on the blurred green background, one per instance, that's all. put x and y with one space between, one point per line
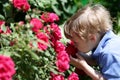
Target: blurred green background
65 8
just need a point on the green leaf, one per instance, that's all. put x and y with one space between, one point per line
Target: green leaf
2 17
84 2
7 53
54 5
35 44
10 20
53 70
47 53
57 11
35 56
45 59
3 27
7 8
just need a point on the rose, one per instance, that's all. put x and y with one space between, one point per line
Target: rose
73 76
7 69
71 49
21 5
56 76
62 61
62 66
56 31
44 41
36 25
59 46
49 17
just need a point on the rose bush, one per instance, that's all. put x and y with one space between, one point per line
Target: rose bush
32 38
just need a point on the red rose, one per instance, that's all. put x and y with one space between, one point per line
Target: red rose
71 49
44 41
56 76
62 61
59 46
62 66
7 69
56 32
37 25
21 5
73 76
49 17
63 56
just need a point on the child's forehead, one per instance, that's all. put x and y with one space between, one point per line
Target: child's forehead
75 35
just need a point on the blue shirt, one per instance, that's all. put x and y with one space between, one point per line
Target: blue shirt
107 54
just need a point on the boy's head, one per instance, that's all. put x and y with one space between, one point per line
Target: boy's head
88 20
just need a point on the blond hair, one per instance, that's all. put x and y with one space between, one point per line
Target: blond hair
90 19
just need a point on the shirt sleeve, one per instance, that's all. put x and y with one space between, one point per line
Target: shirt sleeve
110 66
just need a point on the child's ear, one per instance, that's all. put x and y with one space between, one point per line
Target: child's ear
92 37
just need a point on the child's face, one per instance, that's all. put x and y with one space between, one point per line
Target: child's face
81 44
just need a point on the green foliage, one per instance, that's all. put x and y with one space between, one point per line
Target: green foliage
65 8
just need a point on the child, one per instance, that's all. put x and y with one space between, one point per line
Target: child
91 30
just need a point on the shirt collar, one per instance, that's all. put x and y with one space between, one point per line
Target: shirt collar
108 35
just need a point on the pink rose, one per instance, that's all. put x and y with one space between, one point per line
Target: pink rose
56 32
21 23
44 41
73 76
21 5
47 30
42 46
62 66
62 61
7 69
49 17
56 76
37 25
63 56
59 46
